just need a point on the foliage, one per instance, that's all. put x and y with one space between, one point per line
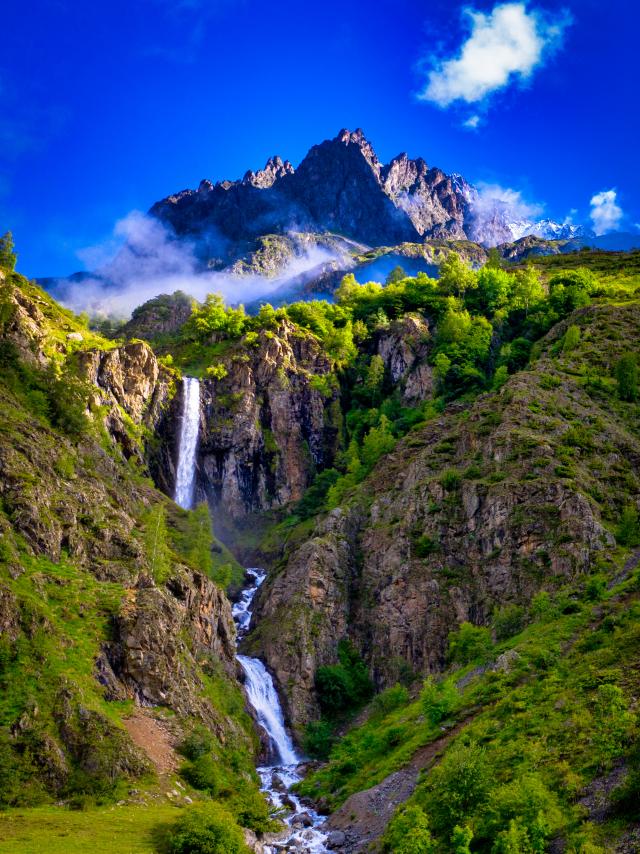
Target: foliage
456 787
208 829
628 533
318 739
343 686
626 372
213 318
613 722
438 700
469 643
508 621
408 833
8 257
156 541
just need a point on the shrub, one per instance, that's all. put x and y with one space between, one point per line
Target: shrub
456 787
613 722
217 371
628 533
626 373
408 833
438 700
345 685
207 830
571 339
508 621
425 546
204 773
318 739
468 643
450 480
391 699
198 742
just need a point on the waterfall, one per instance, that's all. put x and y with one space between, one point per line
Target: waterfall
264 699
280 776
186 474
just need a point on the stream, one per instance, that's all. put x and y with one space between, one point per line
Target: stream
304 835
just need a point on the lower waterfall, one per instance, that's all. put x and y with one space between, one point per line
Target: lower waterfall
304 835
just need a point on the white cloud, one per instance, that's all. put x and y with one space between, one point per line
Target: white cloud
504 46
606 213
472 123
492 199
143 259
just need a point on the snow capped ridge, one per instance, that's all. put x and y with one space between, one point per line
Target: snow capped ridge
548 229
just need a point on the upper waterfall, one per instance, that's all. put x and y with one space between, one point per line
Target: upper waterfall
189 430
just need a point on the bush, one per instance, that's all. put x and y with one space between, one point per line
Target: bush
207 830
628 533
425 546
197 743
469 643
318 739
571 339
456 787
345 685
204 773
438 700
508 621
626 373
408 833
391 699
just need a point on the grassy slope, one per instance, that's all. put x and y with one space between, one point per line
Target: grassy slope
539 717
57 608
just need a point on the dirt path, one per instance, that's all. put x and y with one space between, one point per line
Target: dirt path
154 739
364 816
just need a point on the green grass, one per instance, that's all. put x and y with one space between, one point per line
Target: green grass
55 830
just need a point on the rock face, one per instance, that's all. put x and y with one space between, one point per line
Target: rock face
267 426
130 383
470 513
404 348
158 636
340 186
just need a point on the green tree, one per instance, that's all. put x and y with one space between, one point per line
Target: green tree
461 839
156 540
628 533
626 373
455 276
456 787
200 539
408 832
571 339
375 379
438 700
469 643
527 290
613 722
8 257
396 275
378 441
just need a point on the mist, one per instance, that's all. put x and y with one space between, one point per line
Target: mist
143 260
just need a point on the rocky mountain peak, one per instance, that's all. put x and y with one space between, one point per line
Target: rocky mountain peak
274 169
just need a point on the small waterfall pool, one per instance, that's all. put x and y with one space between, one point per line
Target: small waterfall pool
305 835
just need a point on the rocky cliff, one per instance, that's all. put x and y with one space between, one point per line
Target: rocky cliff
340 186
87 614
267 426
479 508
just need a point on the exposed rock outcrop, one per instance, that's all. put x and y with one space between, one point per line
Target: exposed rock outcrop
268 425
470 513
404 347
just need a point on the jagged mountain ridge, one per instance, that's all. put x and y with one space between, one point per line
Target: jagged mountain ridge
341 186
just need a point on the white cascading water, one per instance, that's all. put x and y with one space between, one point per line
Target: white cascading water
304 835
189 429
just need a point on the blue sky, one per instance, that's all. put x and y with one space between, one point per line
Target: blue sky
106 107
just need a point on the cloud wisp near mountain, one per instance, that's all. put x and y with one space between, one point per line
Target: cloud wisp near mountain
281 230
